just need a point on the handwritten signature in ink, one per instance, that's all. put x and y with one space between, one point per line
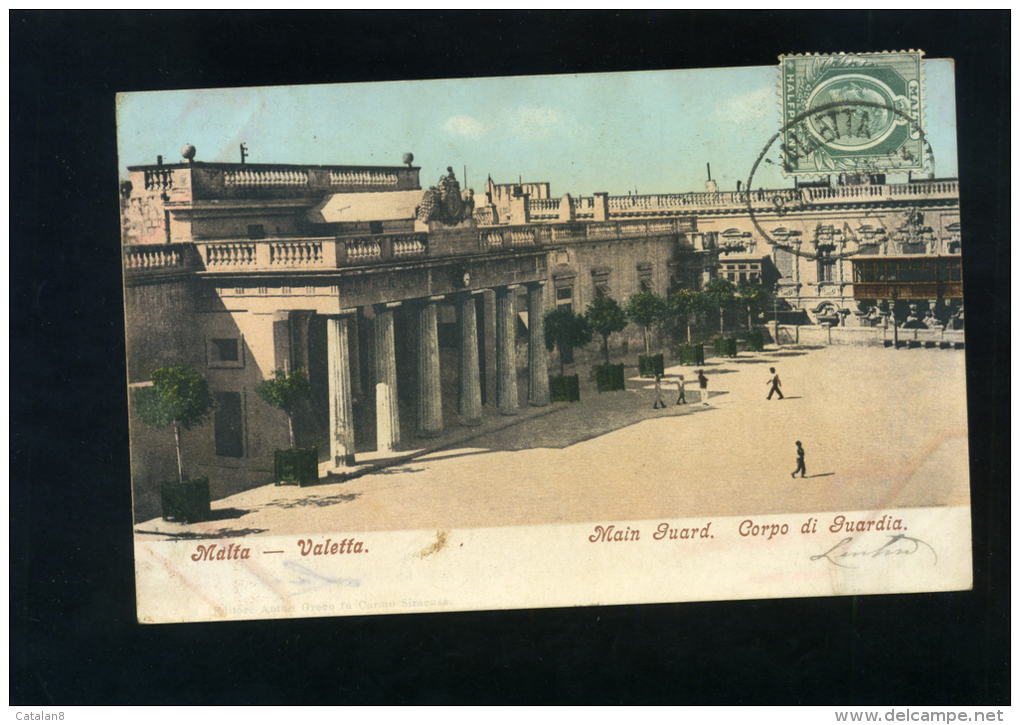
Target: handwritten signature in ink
897 545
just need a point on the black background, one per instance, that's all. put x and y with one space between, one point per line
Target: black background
73 635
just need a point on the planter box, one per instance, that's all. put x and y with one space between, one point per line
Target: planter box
726 347
756 340
609 377
691 354
296 466
564 388
650 365
187 502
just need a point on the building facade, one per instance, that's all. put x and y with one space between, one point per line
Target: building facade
414 309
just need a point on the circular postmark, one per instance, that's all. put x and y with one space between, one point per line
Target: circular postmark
856 119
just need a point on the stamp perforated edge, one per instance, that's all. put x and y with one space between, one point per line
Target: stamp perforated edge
926 160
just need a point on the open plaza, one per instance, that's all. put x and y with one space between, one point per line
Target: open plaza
882 428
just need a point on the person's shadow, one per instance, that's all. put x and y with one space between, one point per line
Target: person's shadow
821 475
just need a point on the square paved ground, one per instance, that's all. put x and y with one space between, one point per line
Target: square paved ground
882 428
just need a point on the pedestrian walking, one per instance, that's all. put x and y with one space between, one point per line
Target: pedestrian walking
658 394
775 383
703 384
681 394
801 468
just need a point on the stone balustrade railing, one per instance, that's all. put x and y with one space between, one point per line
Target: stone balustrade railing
543 205
636 204
308 253
213 180
156 257
158 179
284 254
360 178
300 253
266 178
883 192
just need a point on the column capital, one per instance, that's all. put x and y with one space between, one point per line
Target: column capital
342 314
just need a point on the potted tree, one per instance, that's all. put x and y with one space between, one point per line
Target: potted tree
286 391
755 298
687 304
605 316
647 309
721 294
178 398
565 330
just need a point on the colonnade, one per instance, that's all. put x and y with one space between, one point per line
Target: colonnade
429 402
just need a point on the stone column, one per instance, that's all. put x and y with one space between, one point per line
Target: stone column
354 342
299 321
341 417
470 393
430 392
384 358
538 368
487 349
506 350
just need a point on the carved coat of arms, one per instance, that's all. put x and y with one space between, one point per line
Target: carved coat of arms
445 203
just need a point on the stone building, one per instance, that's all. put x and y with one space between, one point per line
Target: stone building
813 242
418 309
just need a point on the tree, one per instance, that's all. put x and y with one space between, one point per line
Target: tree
286 391
605 316
646 309
720 292
565 330
754 296
687 304
178 397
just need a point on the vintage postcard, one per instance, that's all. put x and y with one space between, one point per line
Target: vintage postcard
546 341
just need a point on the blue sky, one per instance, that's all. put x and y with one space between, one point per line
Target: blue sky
647 131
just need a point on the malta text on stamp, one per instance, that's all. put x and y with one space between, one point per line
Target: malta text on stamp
853 113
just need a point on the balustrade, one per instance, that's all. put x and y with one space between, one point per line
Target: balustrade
301 253
229 254
408 247
492 240
363 250
274 178
522 237
149 257
355 177
158 179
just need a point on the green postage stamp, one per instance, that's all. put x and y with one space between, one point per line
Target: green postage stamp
852 113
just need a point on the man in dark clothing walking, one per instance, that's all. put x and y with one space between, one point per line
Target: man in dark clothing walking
774 382
801 468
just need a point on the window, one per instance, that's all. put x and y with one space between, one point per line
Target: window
228 425
600 281
564 293
375 227
226 349
825 270
225 352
